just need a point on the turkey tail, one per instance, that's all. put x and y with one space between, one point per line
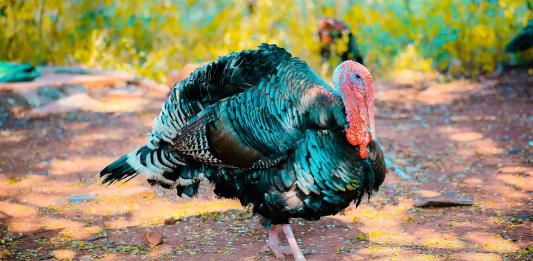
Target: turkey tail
155 164
118 170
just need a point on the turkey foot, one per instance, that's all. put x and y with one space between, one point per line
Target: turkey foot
273 243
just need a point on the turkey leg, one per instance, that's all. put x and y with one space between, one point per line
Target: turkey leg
273 242
296 251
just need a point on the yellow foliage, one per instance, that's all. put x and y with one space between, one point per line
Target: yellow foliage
150 38
411 58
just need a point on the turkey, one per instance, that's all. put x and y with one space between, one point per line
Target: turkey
332 31
266 130
522 41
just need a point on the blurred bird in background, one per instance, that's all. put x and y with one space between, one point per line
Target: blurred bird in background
337 43
522 41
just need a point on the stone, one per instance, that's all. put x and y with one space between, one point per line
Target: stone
153 238
50 92
448 199
516 150
12 106
170 221
127 90
150 85
71 89
86 258
42 96
80 101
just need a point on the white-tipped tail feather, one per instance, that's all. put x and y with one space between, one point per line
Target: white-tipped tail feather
150 170
151 163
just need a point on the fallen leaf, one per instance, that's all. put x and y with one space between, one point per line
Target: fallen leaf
362 237
408 219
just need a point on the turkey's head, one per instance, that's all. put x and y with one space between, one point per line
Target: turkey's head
355 83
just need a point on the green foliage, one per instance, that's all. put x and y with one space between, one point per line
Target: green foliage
150 38
457 36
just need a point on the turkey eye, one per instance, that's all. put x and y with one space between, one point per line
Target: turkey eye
353 79
356 80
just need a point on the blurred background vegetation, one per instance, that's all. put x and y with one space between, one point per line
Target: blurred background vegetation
149 38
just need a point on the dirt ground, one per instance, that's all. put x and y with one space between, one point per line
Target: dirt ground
471 137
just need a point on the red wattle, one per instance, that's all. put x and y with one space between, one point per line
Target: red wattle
363 152
360 141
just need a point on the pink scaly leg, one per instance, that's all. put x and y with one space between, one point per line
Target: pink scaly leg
296 251
273 241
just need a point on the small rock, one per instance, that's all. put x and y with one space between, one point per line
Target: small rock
516 150
153 238
505 137
71 116
80 101
521 218
127 90
12 105
448 199
86 258
506 235
71 89
50 92
150 85
80 198
42 96
97 237
170 221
